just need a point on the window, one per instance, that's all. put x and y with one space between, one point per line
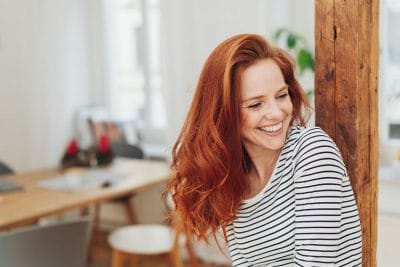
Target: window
390 69
135 83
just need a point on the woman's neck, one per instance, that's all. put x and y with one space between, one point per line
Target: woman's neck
262 166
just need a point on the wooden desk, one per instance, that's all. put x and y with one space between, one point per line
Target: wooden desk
33 202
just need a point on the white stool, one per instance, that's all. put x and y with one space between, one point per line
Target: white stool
145 239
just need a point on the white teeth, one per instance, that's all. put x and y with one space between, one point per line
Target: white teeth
272 128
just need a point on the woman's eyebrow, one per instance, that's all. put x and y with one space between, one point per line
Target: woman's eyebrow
285 87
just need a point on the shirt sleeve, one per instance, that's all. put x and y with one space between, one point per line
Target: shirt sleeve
327 226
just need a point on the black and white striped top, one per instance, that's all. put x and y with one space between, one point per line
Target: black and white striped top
305 216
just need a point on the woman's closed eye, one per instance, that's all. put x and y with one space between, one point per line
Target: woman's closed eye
283 95
255 105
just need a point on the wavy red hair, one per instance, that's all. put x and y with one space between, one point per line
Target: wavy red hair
208 159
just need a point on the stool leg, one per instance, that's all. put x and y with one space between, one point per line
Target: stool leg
117 258
133 259
175 259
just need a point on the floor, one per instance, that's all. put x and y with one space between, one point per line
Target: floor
388 233
388 240
389 223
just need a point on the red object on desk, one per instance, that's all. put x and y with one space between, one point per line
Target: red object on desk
104 144
72 148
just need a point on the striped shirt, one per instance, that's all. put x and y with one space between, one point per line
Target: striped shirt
306 214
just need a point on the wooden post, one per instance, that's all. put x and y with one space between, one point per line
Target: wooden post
346 98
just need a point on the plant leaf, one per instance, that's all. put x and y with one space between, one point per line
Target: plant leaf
278 33
305 60
291 41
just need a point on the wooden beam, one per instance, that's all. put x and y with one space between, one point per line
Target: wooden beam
346 98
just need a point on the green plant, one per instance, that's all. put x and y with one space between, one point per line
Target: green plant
297 46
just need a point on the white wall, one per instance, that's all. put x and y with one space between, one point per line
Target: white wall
13 102
52 61
43 78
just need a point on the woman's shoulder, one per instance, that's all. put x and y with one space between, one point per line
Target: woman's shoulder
301 135
314 142
311 138
309 129
314 153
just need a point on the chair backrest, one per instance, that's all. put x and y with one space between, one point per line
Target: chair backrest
62 244
4 169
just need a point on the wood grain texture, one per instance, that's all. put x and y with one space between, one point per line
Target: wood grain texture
325 64
347 105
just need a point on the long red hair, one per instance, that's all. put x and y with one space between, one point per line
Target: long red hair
208 159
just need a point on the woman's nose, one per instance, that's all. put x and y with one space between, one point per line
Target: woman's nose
272 111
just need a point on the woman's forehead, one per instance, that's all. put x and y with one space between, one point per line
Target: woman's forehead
263 77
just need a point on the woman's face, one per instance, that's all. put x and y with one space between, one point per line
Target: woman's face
266 107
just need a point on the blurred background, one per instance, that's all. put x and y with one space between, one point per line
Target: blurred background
136 63
137 60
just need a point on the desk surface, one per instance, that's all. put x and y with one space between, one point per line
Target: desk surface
34 201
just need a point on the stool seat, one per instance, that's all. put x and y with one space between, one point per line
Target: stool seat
146 239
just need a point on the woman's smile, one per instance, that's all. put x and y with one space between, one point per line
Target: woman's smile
272 129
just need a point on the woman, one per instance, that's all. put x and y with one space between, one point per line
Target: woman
245 163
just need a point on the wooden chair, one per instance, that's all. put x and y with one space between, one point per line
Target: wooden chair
63 244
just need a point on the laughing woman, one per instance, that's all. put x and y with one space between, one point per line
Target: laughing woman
245 163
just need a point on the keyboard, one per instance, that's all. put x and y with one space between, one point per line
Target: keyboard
6 186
